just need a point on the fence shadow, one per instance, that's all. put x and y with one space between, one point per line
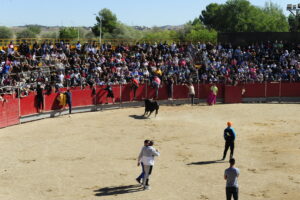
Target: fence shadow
115 190
207 162
138 117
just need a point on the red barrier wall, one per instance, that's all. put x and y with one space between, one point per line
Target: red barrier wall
28 105
253 90
290 89
84 97
101 95
273 89
9 111
233 94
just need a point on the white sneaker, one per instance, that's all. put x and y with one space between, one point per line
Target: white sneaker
147 187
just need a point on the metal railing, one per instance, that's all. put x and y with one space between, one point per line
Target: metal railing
114 42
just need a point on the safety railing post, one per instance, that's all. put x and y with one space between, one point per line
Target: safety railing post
146 89
96 96
120 88
280 91
44 101
198 90
19 104
172 91
266 91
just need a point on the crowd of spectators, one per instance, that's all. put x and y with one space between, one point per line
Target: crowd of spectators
61 65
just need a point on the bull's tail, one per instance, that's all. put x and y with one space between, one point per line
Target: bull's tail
156 110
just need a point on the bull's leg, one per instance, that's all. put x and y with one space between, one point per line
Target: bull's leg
150 113
156 111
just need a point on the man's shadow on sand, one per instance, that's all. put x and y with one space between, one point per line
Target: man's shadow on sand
138 117
115 190
207 162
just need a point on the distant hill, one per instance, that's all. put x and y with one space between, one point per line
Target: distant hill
166 27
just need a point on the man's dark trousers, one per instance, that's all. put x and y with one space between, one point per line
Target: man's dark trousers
232 191
227 145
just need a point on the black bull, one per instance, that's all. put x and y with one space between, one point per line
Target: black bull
150 106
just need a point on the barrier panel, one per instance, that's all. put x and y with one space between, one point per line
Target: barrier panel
273 89
254 90
233 94
82 97
290 90
128 93
28 104
9 111
51 102
102 94
180 92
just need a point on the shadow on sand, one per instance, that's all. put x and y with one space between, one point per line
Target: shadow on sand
138 117
115 190
207 162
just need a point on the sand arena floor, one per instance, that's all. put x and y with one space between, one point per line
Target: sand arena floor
93 155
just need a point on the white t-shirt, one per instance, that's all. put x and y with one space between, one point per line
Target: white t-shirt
191 90
147 155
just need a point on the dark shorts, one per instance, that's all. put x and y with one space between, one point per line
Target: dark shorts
110 94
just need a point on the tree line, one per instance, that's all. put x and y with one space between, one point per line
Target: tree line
231 16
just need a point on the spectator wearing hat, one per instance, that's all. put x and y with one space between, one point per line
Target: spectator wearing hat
229 136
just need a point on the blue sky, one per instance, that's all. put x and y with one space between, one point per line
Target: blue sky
130 12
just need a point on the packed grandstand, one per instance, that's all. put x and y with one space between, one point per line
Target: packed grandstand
63 65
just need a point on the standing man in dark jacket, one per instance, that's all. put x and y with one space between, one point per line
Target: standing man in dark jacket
40 98
69 100
229 136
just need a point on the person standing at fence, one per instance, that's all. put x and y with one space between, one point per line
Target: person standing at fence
156 84
147 157
141 176
212 97
134 86
229 136
110 94
39 98
191 93
170 84
231 175
69 100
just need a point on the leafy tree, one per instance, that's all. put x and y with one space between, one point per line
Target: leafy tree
5 33
52 35
70 33
241 16
274 18
123 31
34 28
211 16
26 34
204 35
108 22
294 23
89 35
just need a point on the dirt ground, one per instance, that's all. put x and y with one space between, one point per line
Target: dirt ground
93 155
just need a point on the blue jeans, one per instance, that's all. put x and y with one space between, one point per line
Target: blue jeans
141 176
